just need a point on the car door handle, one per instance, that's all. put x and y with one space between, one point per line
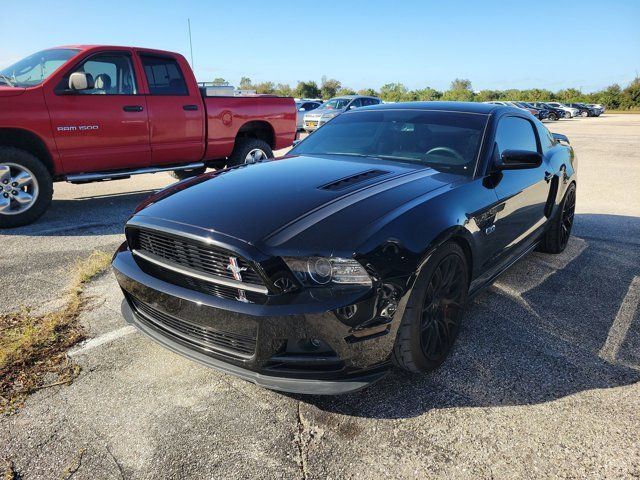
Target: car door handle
190 108
132 108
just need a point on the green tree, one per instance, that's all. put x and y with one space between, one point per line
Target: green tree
460 91
329 87
245 83
370 92
283 90
220 81
307 90
265 88
487 95
393 92
426 94
630 97
461 84
345 91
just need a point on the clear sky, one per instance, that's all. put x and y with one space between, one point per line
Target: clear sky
496 44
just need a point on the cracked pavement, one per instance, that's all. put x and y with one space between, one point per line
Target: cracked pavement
543 382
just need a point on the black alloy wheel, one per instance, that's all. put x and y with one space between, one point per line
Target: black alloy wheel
568 212
441 308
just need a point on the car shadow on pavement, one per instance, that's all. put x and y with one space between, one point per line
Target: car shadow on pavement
90 215
542 332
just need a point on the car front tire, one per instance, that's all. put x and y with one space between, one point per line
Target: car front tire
434 312
26 188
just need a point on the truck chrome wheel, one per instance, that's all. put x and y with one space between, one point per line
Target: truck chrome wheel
255 155
18 189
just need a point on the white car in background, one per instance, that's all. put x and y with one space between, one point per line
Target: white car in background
573 111
596 106
304 106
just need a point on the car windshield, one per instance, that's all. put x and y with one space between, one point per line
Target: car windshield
336 103
445 141
35 69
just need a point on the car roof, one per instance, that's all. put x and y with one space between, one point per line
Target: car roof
464 107
351 97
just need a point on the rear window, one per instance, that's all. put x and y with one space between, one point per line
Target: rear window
163 76
445 141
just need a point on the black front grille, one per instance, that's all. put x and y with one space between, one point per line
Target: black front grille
207 338
202 286
199 256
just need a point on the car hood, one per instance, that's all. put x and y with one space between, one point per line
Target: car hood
288 205
318 112
11 91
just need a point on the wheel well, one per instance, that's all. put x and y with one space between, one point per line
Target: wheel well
28 141
258 129
466 248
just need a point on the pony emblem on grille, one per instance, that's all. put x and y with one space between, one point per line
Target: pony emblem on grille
236 270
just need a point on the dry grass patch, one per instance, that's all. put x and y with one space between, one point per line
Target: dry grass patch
33 347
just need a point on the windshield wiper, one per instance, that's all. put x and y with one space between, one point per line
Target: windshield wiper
6 80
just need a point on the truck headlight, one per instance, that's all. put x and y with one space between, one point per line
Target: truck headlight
314 271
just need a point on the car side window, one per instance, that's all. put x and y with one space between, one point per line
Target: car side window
515 133
357 103
111 74
163 75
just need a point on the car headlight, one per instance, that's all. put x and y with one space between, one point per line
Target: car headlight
314 271
329 116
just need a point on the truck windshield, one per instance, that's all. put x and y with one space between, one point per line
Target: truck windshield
35 69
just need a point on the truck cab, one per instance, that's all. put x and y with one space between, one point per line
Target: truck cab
88 113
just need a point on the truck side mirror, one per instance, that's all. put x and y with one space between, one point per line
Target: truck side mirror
80 81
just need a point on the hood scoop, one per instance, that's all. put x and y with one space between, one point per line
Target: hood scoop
351 180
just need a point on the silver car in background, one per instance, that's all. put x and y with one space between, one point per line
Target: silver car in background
304 106
334 107
574 112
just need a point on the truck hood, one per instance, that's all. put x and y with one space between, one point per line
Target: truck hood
11 91
290 204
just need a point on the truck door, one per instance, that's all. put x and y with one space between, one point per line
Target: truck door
105 126
176 111
522 194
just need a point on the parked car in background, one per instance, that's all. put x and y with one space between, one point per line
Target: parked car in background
539 113
357 251
334 107
584 110
304 106
596 106
91 113
569 112
554 113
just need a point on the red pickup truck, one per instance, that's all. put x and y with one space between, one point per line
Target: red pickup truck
91 113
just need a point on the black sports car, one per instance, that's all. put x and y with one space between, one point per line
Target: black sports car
317 272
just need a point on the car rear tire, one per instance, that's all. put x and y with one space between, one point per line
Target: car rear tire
567 114
248 151
434 311
557 237
584 114
553 116
182 174
26 188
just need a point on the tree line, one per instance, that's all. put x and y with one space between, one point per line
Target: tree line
613 97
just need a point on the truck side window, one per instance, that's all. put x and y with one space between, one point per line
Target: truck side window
163 76
112 74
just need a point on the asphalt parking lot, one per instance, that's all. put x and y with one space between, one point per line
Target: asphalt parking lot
544 380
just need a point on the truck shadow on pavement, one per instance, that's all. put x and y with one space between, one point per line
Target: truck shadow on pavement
90 215
542 332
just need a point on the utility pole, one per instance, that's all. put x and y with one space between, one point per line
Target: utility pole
190 43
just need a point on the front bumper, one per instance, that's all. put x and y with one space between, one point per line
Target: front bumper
259 343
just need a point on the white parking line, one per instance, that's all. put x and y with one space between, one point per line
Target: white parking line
620 326
102 339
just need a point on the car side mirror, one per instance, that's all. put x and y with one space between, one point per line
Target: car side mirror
561 138
301 110
352 107
80 81
518 160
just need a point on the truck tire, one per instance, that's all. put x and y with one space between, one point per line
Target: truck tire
434 312
249 150
26 188
182 174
